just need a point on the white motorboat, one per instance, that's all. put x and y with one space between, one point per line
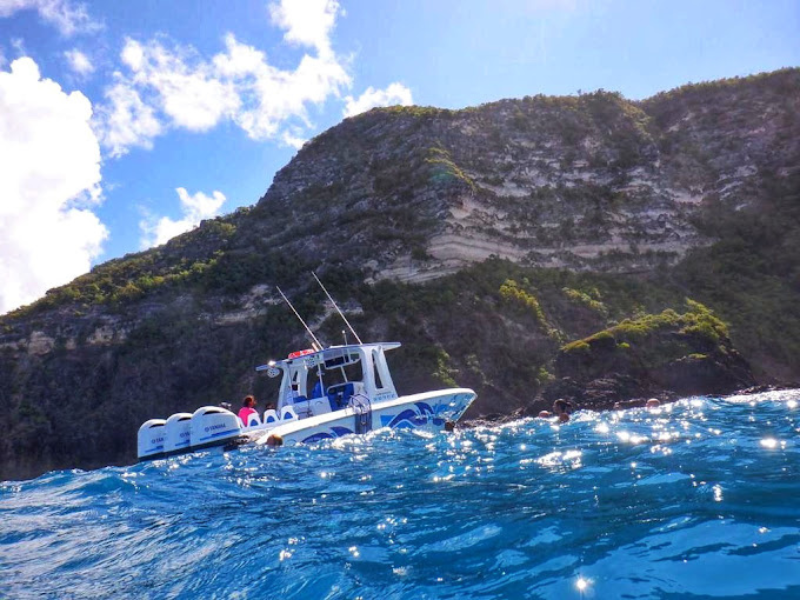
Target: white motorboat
324 393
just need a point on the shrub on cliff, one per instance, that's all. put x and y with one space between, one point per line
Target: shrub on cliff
689 352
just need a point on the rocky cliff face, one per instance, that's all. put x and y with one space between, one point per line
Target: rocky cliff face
593 182
531 223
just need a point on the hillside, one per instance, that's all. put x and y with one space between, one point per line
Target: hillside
487 240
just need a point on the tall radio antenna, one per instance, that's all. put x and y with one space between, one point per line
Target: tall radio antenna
336 306
318 344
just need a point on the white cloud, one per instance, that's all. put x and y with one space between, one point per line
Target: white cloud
195 208
133 55
271 97
50 183
125 121
293 140
79 62
68 17
307 22
173 86
395 94
18 44
187 88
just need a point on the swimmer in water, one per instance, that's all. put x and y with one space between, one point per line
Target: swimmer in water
562 409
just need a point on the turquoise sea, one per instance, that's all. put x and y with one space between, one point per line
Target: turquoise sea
697 499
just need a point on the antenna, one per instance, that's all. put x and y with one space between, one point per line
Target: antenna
296 314
336 306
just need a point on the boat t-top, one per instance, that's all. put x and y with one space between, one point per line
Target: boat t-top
324 393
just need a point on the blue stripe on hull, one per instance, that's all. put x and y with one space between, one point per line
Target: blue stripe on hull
421 414
334 432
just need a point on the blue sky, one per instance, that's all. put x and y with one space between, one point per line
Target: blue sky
123 123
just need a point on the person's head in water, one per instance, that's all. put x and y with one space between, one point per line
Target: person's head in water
653 403
249 402
562 408
545 414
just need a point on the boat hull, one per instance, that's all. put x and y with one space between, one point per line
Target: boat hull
428 409
210 426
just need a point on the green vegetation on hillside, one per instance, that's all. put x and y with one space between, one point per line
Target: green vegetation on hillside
697 324
750 275
444 169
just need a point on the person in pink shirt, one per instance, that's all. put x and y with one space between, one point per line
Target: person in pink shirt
248 408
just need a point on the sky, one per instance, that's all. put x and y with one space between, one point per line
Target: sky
126 122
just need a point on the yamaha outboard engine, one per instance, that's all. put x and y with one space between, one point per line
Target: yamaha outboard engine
213 426
178 435
151 439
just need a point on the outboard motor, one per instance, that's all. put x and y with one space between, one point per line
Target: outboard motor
178 435
151 439
213 426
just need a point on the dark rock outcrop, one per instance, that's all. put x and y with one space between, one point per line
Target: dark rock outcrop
660 356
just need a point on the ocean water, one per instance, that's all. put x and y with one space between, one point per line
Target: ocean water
698 499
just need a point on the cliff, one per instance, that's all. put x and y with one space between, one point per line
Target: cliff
486 239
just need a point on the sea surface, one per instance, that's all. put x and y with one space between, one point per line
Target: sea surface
697 499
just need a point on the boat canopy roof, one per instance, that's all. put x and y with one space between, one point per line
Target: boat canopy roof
334 356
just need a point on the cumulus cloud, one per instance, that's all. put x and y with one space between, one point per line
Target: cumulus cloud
172 86
307 22
125 121
50 184
272 98
79 62
395 94
295 141
188 90
195 208
68 17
